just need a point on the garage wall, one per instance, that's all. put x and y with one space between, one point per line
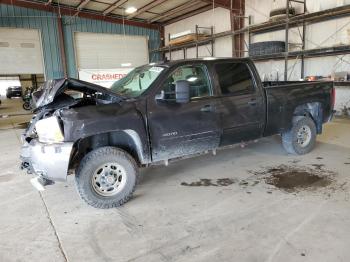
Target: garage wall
47 23
78 24
322 34
261 9
100 51
219 18
20 51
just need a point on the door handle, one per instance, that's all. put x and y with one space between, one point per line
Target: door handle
252 102
207 108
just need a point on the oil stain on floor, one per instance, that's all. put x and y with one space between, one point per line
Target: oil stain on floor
210 182
288 178
297 178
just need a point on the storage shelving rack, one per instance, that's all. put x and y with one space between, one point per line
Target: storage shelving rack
292 21
196 43
302 36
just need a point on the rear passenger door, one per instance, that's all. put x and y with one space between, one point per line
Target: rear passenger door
241 105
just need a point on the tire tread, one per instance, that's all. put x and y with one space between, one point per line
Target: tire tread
287 137
104 151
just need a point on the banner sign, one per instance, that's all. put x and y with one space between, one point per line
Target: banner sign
103 77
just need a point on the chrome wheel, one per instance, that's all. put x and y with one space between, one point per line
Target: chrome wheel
109 179
304 136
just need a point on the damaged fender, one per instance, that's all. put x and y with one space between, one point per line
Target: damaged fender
90 128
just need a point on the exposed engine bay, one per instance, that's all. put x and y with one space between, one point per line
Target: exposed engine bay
58 95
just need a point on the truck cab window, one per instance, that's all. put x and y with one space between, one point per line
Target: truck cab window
137 81
234 78
197 77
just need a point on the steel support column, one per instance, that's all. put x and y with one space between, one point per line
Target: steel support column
62 47
286 43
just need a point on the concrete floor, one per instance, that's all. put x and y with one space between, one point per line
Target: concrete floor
166 221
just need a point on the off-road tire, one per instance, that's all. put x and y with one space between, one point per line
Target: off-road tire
87 167
267 48
282 11
277 18
289 138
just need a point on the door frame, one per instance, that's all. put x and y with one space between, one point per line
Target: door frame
256 82
160 84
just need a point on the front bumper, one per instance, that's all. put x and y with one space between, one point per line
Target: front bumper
50 161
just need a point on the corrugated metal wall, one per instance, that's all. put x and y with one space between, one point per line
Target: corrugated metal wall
46 22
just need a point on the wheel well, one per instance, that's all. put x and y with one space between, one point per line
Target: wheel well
312 110
127 140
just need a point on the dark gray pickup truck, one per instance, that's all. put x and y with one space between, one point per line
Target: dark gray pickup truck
160 112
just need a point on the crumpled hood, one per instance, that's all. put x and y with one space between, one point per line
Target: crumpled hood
52 88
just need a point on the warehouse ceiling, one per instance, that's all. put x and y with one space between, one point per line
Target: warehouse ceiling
147 11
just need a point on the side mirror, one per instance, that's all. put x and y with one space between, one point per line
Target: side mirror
182 91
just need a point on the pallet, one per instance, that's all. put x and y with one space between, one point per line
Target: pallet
187 38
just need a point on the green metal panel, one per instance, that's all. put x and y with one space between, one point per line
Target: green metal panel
46 22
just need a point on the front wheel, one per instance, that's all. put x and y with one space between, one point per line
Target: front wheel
106 177
301 138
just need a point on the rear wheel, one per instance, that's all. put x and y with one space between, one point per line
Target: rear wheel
301 138
106 177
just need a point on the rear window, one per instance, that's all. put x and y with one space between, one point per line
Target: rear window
234 78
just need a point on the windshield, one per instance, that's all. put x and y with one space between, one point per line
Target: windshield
137 81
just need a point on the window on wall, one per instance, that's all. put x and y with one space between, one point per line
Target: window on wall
195 75
234 78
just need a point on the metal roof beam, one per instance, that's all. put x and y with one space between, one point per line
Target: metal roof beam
114 6
219 3
174 11
146 8
68 11
82 4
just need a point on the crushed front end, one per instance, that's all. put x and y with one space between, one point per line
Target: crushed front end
46 151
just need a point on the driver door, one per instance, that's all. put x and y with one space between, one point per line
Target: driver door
179 129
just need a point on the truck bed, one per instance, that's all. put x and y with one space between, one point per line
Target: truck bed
283 98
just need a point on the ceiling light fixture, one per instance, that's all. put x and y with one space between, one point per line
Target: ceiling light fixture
130 10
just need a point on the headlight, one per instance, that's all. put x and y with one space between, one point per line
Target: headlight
49 130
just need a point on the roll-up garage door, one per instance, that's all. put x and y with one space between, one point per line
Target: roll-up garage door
20 51
106 51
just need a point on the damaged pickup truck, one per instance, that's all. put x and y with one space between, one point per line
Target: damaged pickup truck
160 112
